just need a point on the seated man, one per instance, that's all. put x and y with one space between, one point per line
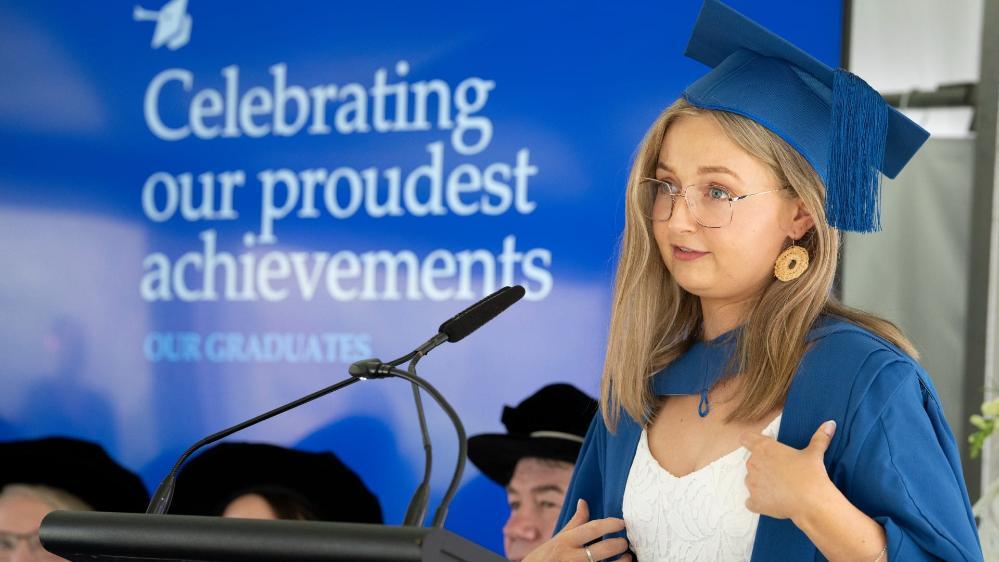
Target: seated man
534 461
43 475
259 481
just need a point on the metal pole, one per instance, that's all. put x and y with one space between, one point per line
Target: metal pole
980 350
949 95
846 23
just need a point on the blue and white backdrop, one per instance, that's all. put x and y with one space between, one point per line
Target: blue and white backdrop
210 208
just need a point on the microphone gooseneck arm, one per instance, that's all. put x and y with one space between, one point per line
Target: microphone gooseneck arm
421 351
374 368
417 510
160 502
452 330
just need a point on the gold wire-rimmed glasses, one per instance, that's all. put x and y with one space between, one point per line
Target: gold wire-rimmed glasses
710 204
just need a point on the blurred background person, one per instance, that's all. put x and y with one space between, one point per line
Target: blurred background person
44 475
260 481
534 459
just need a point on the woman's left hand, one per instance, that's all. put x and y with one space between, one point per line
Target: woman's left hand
782 480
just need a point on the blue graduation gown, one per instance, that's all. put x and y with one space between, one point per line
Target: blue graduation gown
893 454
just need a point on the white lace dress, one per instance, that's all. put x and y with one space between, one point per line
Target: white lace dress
700 517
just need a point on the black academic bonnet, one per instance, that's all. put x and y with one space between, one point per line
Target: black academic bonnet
549 424
81 468
209 481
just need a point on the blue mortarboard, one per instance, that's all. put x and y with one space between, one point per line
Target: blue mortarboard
841 125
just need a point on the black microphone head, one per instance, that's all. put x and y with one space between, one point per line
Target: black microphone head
473 317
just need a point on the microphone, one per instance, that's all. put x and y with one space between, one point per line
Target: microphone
467 321
452 330
473 317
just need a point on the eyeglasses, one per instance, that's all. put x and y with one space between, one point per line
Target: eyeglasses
710 204
8 544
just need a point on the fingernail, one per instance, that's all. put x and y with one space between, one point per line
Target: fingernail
579 504
829 428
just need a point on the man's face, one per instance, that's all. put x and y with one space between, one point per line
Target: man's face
535 494
20 516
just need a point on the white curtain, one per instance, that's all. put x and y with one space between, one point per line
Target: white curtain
915 271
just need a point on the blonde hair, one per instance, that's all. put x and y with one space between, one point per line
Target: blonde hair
654 320
55 498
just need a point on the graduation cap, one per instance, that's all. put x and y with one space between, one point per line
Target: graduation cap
329 489
549 424
838 122
78 467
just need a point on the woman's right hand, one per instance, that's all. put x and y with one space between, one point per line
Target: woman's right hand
570 544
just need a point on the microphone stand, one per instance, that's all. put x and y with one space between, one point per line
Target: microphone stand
362 370
417 510
160 502
375 368
453 330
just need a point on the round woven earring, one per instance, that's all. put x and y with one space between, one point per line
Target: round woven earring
791 263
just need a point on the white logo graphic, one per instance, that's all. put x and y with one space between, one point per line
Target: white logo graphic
173 24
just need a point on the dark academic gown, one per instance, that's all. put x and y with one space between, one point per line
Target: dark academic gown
893 454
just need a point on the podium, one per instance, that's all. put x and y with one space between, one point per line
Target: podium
92 536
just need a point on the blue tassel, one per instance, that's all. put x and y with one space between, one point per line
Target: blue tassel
856 154
703 407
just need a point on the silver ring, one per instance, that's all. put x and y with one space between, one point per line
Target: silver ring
589 555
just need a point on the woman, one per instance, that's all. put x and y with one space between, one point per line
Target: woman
745 414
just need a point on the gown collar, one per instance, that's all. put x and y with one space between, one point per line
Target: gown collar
698 369
704 364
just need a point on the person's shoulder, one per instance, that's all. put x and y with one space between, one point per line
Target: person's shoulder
832 335
866 357
622 422
625 430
